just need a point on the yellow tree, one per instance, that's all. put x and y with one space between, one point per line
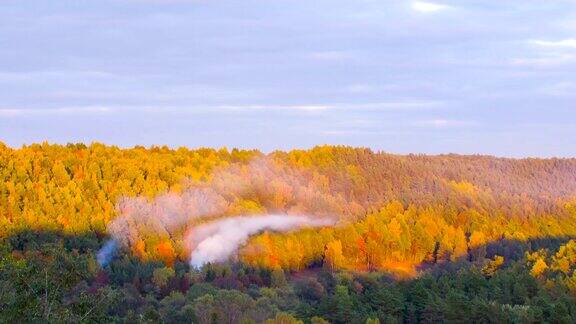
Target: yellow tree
333 257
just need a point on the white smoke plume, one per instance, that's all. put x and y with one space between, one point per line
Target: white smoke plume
217 241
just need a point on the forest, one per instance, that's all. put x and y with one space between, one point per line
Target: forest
333 234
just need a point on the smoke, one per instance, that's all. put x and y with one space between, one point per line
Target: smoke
217 241
207 213
106 253
165 215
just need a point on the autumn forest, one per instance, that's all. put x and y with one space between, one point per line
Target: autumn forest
333 234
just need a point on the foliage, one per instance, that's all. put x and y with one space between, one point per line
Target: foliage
419 238
57 282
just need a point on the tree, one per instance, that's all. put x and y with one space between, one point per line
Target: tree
477 244
309 289
231 306
173 308
204 308
284 318
490 269
318 320
166 252
339 306
538 268
278 278
162 276
333 256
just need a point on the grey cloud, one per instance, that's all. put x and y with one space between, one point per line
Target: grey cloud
297 71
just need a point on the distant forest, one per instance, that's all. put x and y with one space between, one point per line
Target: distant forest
416 238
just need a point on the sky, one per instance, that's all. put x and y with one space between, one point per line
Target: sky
470 76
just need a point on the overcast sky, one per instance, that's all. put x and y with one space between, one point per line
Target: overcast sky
485 76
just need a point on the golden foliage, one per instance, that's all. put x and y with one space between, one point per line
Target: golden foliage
395 211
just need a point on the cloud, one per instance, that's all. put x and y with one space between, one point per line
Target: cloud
348 133
165 1
330 55
382 128
443 123
309 108
13 112
560 89
428 7
207 109
274 64
374 106
403 105
28 76
360 88
544 61
564 43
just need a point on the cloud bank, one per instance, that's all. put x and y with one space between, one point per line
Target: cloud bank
290 74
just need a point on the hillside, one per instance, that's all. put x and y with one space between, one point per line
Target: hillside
336 210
